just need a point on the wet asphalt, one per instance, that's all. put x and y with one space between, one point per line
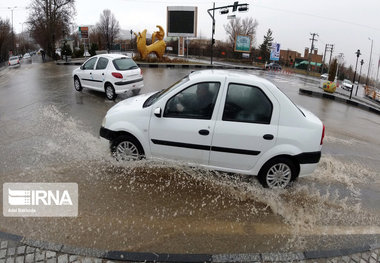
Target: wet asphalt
49 133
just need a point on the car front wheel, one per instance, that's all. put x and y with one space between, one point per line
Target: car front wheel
277 173
110 92
126 148
77 85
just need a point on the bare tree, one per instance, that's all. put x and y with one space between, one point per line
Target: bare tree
5 36
49 20
237 26
108 27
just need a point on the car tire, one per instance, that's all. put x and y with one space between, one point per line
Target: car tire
77 84
126 148
110 92
277 173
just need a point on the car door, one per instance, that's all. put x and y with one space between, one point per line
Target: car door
85 74
245 128
98 74
184 131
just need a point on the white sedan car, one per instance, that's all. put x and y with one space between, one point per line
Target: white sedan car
222 120
111 73
14 61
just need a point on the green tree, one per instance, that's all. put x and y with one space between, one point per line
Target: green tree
5 39
66 50
265 47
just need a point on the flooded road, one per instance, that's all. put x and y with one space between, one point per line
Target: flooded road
49 133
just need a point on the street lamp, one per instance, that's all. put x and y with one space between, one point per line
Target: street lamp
13 40
131 38
369 65
224 10
356 66
357 87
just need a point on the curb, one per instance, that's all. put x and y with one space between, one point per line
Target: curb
164 257
166 65
339 99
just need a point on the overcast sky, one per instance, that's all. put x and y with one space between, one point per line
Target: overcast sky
346 23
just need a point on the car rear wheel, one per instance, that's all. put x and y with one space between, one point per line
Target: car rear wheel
126 148
277 173
77 85
110 92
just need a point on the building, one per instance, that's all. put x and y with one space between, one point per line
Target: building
314 57
287 56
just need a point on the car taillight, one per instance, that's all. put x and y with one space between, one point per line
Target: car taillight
18 61
117 75
141 72
323 134
9 63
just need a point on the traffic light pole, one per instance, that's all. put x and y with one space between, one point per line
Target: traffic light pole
244 7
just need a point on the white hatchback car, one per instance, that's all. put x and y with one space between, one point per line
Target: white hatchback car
14 61
111 73
223 120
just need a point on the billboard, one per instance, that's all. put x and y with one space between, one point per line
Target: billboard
182 21
275 52
83 32
242 43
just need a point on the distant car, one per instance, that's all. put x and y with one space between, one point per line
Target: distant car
111 73
347 85
273 66
14 61
27 57
324 76
222 120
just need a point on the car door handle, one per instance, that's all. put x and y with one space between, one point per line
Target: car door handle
268 137
103 74
204 132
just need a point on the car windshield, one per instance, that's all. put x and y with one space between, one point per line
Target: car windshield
156 96
124 63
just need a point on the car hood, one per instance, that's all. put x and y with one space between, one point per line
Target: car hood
130 103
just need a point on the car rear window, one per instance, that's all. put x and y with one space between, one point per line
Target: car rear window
13 58
124 64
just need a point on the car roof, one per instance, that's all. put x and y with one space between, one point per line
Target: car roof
243 77
112 56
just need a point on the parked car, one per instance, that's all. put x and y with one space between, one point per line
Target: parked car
273 66
14 61
346 84
324 76
111 73
224 120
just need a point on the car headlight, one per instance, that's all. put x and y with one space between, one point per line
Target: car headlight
104 122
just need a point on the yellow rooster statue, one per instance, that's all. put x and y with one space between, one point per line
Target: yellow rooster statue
158 46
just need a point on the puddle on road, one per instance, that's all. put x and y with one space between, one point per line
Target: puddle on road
169 207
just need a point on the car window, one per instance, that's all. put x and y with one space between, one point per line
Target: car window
13 58
247 104
124 63
102 63
90 64
194 102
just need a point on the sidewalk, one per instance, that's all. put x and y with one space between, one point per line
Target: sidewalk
362 103
16 249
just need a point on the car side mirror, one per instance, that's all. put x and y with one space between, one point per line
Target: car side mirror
157 112
81 67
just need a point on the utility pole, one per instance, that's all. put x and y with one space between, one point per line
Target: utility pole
329 48
370 59
312 48
356 66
